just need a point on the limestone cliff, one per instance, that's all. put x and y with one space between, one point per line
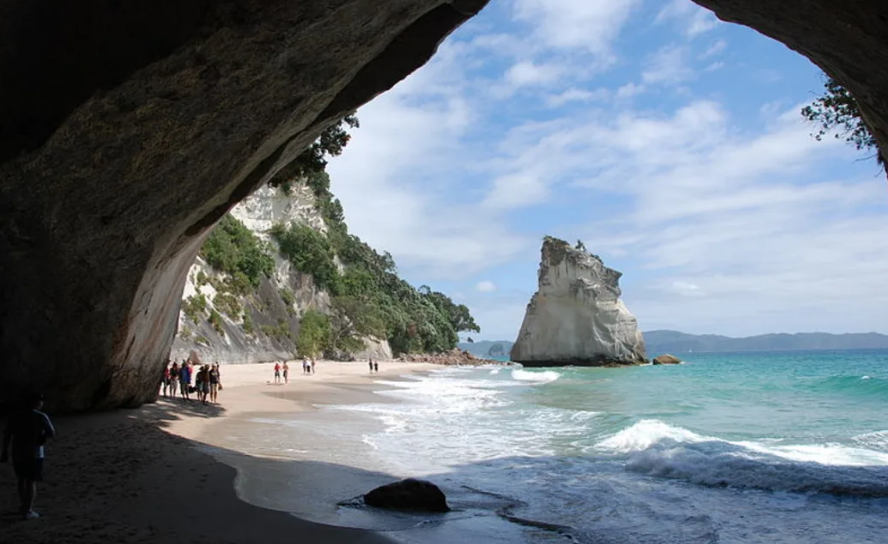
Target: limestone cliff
260 325
576 317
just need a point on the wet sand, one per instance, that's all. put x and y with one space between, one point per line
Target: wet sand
147 475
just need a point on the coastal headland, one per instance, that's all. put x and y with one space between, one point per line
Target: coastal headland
154 474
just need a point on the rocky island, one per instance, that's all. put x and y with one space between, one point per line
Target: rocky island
576 316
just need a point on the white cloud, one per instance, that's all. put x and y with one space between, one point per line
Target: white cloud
406 155
526 73
686 289
694 19
486 286
516 190
669 65
574 94
713 49
702 21
592 25
629 90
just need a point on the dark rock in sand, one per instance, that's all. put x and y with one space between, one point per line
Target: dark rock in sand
667 360
410 494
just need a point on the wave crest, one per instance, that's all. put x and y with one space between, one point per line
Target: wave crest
658 449
546 376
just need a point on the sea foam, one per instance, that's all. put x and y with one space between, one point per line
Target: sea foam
657 449
546 376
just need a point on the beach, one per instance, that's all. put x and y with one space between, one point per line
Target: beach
156 474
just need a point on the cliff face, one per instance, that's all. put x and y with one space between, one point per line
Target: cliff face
129 129
576 317
261 325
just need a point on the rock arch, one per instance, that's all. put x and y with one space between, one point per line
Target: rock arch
127 129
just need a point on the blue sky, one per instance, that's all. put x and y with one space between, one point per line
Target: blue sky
669 142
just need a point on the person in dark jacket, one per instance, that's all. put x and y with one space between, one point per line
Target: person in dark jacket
27 432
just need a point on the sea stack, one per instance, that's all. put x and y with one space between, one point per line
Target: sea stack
576 316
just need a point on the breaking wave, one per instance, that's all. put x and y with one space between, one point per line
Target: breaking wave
657 449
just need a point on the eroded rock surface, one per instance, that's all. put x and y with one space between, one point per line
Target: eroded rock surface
128 129
576 317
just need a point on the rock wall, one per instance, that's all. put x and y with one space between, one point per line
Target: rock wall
128 129
576 317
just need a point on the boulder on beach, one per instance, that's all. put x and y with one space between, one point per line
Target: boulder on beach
667 359
410 494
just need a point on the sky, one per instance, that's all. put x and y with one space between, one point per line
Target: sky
669 142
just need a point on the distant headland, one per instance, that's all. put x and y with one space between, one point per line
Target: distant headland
678 342
664 341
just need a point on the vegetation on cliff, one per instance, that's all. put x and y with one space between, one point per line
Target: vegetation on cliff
368 298
836 111
235 249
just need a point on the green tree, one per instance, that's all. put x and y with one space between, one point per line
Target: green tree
233 248
352 319
314 333
308 251
314 159
836 111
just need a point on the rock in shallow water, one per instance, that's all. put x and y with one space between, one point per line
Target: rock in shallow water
667 360
409 494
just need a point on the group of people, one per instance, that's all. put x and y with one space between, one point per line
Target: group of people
308 367
282 369
374 366
177 379
278 368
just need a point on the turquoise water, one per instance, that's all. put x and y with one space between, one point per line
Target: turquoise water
800 398
727 448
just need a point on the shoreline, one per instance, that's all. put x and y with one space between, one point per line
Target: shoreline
163 472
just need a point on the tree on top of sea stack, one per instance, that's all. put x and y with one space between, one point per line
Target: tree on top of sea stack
576 316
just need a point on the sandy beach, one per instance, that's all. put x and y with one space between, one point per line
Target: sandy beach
163 473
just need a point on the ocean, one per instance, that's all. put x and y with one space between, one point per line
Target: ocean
769 448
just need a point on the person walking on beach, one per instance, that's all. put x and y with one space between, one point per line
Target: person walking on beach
27 432
286 369
185 379
305 365
214 382
370 362
166 379
204 379
198 383
376 367
312 368
174 379
277 372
